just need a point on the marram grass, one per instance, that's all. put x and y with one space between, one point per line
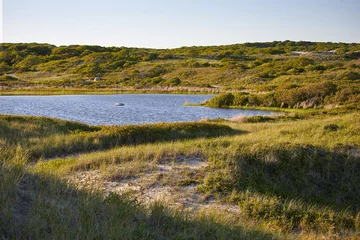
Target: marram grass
290 178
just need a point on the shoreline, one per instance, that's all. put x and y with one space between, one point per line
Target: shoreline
50 92
76 91
272 109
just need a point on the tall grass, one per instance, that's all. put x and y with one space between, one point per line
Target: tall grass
290 176
44 137
39 206
292 186
110 137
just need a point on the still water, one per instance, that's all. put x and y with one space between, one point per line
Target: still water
101 109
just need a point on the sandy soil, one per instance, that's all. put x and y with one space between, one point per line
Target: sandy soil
169 184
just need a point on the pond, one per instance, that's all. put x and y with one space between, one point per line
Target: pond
102 109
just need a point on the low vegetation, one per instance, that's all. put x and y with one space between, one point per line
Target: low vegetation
253 67
286 177
323 95
290 176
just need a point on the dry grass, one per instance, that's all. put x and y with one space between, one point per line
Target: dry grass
271 179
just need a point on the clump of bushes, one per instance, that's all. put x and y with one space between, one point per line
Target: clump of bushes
240 99
222 100
309 96
350 75
257 119
331 127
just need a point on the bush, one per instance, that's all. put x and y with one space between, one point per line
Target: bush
222 100
172 82
241 99
350 75
331 127
257 119
313 94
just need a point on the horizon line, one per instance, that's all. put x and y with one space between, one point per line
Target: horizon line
229 44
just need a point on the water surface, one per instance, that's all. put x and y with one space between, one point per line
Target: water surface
100 109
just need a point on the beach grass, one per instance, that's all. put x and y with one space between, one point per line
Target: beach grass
285 178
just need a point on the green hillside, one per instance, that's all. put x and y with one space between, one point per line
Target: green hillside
256 67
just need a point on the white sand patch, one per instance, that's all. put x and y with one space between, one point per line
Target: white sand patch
149 186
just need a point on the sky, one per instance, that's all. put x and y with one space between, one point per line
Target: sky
171 24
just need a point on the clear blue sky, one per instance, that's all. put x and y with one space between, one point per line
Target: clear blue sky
169 24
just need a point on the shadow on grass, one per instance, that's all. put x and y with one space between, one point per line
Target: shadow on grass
110 137
308 173
44 207
17 129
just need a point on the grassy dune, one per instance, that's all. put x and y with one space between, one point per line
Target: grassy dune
288 177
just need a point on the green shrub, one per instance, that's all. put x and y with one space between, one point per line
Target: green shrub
312 94
241 99
351 75
331 127
256 119
172 82
222 100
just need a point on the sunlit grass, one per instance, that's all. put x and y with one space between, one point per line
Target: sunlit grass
290 177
